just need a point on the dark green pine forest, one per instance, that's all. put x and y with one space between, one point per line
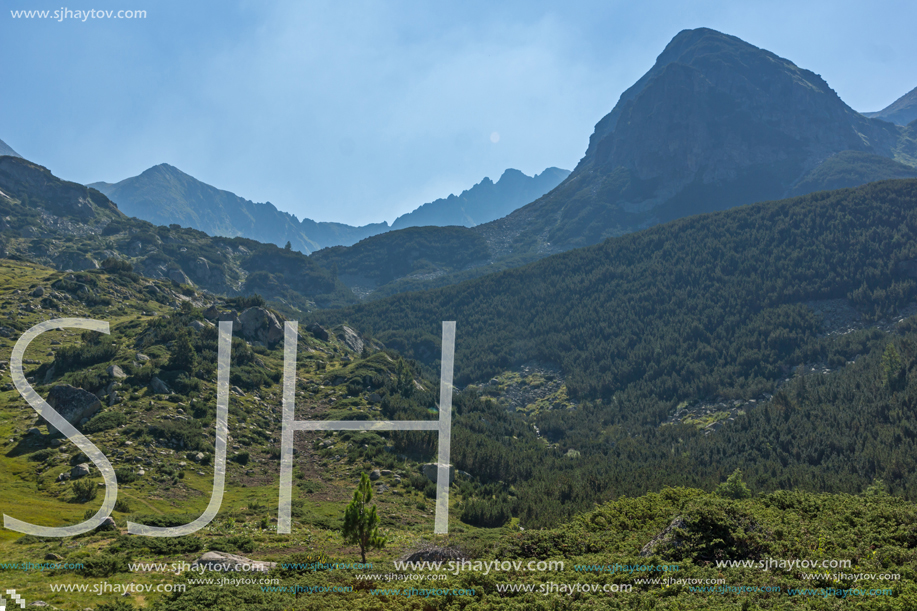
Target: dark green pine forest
719 307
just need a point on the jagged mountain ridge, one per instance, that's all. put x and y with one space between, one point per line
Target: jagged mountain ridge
165 195
485 201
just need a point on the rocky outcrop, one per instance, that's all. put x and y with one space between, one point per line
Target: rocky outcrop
665 539
318 331
74 404
177 275
261 325
75 261
350 338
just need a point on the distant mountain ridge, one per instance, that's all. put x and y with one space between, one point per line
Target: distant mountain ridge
901 112
164 195
485 201
6 149
66 225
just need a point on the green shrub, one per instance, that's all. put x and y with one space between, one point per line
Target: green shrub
104 422
84 490
102 565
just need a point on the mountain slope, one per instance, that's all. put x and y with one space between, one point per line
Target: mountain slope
902 111
851 169
715 123
69 226
700 305
165 195
484 202
5 149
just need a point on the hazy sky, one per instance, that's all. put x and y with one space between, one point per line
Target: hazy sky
360 111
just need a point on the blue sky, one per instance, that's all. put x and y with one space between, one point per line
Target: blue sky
360 111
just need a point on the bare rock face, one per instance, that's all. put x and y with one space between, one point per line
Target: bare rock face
177 275
74 404
350 338
260 325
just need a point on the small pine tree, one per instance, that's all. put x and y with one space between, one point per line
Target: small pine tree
361 523
183 357
288 246
734 487
892 368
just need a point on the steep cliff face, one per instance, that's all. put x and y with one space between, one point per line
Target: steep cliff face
714 124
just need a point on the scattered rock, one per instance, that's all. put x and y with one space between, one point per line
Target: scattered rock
318 331
142 357
374 398
53 556
33 431
197 325
81 470
74 404
431 472
108 524
435 553
116 372
38 292
63 477
219 561
385 472
212 313
375 475
159 387
199 457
